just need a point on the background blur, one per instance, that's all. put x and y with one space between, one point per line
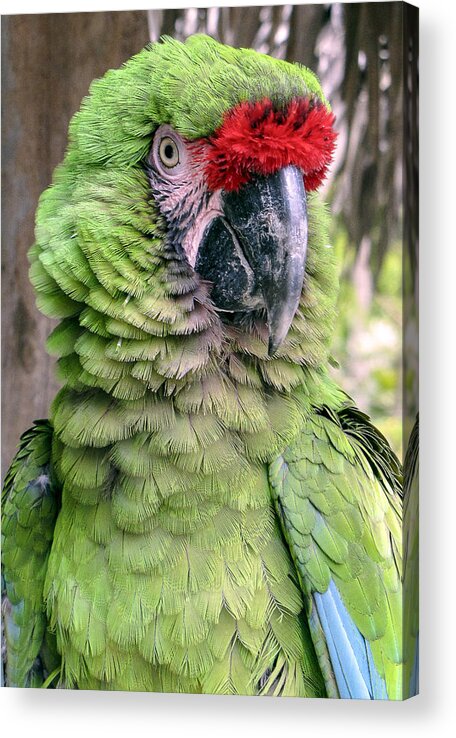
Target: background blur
357 51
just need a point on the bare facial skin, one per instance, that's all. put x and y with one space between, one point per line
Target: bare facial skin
181 190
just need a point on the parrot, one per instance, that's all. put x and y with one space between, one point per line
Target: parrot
205 510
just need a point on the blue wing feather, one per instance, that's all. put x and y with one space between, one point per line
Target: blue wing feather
350 653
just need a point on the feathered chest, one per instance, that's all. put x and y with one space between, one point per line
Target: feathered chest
168 570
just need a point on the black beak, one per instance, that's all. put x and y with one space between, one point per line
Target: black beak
256 254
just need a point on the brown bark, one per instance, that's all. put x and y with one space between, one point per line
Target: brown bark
246 22
48 64
305 24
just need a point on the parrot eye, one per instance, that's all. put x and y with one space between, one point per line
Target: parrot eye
168 155
168 152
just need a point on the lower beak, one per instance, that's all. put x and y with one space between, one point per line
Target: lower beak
261 245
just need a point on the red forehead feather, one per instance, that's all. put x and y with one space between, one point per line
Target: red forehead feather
256 138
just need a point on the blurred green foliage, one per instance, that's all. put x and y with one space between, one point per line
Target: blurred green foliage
368 336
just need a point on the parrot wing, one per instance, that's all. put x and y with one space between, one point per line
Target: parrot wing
337 492
411 562
29 508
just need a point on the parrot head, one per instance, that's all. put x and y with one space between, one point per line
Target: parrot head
235 199
235 202
203 158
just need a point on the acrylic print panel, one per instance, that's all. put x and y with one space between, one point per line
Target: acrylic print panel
223 351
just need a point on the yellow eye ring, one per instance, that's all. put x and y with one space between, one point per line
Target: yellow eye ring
168 152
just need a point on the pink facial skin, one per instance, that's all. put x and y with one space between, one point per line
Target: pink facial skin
181 190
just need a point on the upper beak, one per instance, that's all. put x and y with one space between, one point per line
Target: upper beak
269 218
255 252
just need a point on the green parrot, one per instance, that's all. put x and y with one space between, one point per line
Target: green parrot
205 510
